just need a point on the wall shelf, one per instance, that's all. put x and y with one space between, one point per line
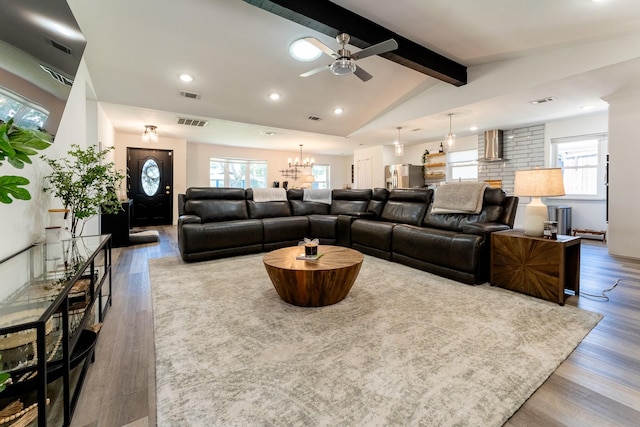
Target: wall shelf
435 168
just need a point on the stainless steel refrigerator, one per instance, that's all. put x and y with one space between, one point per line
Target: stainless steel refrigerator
404 176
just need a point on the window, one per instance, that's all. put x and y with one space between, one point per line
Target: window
24 113
237 173
320 176
583 165
462 165
150 177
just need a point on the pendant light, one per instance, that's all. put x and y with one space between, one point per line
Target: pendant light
451 137
398 147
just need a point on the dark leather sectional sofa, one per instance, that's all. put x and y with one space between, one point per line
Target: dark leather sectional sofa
396 225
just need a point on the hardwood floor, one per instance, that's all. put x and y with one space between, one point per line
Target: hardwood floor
598 385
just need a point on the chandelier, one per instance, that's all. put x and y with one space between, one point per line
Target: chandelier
150 133
294 166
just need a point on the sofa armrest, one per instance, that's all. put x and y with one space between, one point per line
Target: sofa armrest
189 219
484 228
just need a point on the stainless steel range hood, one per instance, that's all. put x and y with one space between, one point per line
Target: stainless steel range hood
493 146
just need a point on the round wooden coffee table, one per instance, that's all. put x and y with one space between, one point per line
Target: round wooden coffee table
313 283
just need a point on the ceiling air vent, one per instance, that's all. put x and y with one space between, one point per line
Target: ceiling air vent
190 95
192 122
543 100
61 78
314 118
59 46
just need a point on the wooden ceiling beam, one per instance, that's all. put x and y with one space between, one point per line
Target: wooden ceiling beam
330 19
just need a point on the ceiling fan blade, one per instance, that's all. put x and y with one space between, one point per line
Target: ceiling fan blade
315 71
376 49
323 47
362 74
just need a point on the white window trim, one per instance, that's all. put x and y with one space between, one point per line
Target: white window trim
26 105
451 164
248 163
602 162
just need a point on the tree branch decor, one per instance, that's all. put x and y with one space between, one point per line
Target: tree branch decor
85 183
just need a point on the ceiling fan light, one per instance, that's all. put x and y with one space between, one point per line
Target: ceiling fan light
304 51
343 67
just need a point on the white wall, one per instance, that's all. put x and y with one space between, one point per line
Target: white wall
23 220
198 156
624 174
122 141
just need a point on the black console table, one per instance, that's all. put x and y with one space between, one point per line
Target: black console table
50 298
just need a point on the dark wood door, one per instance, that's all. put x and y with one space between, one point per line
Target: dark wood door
150 186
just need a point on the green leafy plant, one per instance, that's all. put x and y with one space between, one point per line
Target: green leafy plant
17 145
424 156
4 377
85 183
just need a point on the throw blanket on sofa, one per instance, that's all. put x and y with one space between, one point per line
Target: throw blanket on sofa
459 197
269 195
317 195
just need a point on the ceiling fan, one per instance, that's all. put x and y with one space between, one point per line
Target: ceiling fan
344 63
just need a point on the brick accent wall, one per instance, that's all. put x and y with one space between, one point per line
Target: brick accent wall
523 148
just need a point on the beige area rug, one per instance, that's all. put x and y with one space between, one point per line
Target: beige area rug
404 348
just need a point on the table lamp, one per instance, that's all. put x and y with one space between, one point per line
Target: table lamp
536 183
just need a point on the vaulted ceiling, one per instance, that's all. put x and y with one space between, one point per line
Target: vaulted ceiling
514 52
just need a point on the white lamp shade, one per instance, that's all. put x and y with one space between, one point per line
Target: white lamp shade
536 183
542 182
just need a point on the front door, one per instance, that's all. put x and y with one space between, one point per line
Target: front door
150 186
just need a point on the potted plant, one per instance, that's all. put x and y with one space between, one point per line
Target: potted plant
17 145
85 183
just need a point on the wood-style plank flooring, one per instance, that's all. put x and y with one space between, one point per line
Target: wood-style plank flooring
598 385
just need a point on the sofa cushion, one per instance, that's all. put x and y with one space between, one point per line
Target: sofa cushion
323 227
216 204
492 211
440 247
349 200
372 234
379 197
259 210
220 235
298 207
407 206
286 229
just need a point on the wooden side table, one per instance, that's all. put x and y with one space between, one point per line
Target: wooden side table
535 266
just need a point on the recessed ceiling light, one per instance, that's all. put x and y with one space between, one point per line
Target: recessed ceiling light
338 110
268 133
473 128
186 77
304 51
274 96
